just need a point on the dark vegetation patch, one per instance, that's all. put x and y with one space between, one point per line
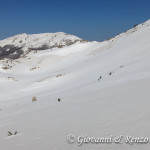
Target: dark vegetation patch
46 46
135 25
43 47
59 99
10 52
10 133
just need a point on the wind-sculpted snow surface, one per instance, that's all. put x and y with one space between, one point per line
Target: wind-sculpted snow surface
77 95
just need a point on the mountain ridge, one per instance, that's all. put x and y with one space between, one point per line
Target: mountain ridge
14 47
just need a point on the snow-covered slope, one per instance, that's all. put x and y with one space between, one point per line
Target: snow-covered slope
103 87
41 41
20 45
38 40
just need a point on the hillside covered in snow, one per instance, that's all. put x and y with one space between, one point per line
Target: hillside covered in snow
88 89
20 45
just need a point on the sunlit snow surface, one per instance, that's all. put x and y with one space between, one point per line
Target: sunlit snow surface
117 104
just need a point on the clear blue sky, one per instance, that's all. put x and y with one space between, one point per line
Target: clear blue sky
88 19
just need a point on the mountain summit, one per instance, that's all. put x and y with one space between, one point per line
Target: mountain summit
15 46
